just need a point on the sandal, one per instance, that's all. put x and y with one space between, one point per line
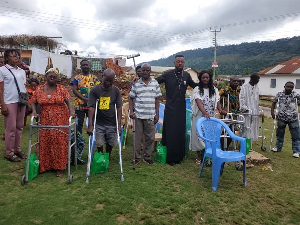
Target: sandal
197 161
12 158
21 155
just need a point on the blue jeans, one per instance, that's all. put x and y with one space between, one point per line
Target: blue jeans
295 134
79 138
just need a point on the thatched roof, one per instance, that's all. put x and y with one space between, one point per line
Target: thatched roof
14 41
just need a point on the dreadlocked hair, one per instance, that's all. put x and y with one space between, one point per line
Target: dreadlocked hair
210 83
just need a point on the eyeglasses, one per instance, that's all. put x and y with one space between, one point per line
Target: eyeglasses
14 56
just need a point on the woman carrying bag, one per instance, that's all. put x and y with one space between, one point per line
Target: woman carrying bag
12 83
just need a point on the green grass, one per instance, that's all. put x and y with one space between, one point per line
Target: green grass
154 194
265 103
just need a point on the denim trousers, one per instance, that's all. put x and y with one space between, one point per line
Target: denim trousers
295 134
81 114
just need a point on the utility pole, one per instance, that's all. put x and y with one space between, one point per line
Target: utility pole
133 56
215 64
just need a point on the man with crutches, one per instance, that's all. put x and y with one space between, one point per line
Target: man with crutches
287 114
106 123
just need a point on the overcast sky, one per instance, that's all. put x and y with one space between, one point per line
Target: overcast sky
153 28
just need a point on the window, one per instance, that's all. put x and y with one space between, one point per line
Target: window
273 83
297 84
26 60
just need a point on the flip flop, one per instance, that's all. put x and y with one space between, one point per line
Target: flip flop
12 158
21 155
197 161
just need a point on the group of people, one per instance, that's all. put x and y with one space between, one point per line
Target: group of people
55 108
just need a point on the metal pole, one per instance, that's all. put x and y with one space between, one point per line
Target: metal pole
215 52
134 62
133 56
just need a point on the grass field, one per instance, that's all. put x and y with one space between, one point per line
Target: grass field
154 194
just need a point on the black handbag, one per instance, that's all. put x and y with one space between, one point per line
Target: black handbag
23 98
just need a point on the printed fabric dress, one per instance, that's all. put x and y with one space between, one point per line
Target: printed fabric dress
53 153
210 105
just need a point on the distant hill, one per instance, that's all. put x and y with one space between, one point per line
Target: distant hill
239 59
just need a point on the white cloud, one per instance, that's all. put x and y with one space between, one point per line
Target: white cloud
155 29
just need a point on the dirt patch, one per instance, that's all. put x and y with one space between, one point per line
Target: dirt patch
99 206
122 219
257 158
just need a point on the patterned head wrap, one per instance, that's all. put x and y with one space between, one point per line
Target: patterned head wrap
53 71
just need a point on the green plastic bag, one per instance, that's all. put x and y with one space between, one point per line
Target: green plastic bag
100 163
34 165
248 145
123 137
161 154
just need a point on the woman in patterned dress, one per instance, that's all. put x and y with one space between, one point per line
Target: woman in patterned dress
56 107
204 100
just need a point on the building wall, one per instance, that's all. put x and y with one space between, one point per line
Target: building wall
265 83
26 54
194 75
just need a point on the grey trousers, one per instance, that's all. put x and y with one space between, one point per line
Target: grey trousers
144 127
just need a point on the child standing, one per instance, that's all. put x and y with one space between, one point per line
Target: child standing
34 83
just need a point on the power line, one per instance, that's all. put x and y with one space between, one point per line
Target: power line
69 21
247 22
115 28
159 36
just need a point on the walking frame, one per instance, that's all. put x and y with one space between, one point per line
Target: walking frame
261 127
46 127
239 122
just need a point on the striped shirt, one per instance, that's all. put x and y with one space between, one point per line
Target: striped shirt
145 95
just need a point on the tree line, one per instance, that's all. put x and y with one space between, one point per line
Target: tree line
239 59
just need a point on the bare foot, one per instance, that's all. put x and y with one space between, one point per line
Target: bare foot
59 173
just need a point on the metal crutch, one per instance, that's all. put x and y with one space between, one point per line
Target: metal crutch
263 147
133 131
91 145
297 111
120 145
272 136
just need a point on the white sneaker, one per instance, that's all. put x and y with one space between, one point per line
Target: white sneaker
274 149
296 155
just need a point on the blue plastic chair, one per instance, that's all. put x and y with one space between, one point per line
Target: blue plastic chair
210 131
188 124
188 103
161 116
